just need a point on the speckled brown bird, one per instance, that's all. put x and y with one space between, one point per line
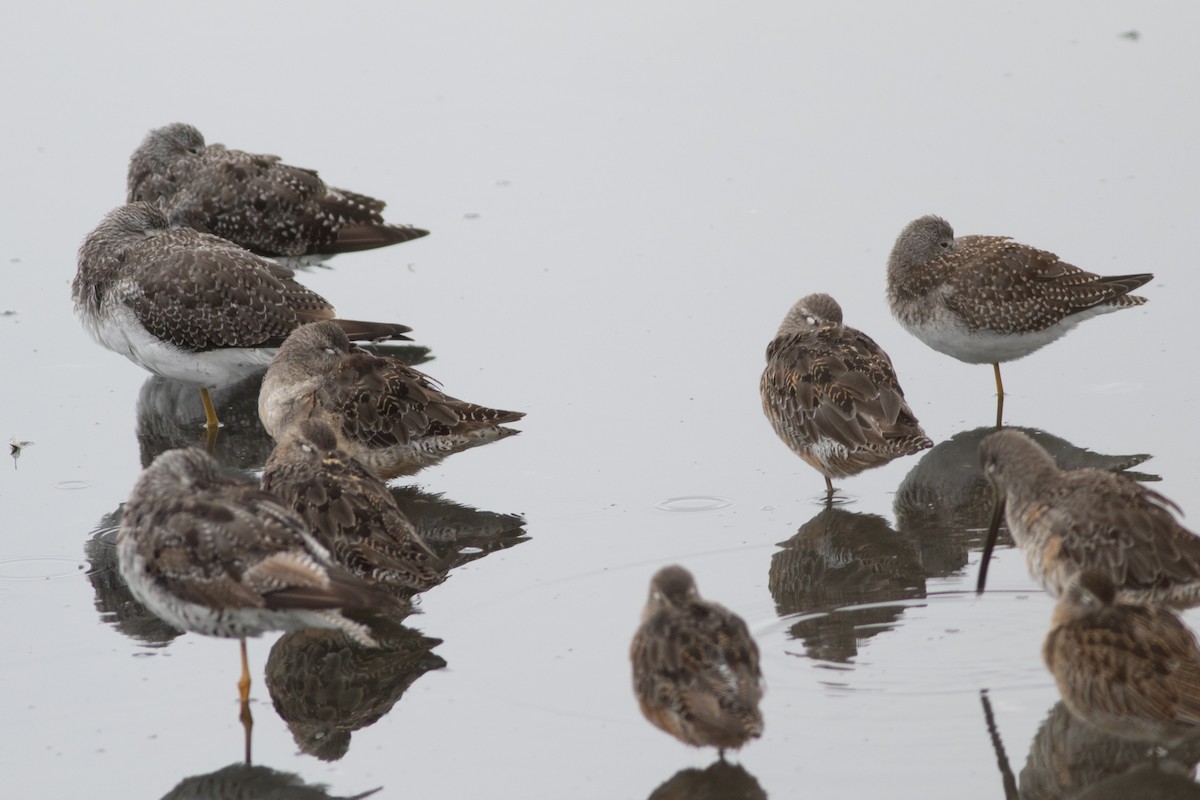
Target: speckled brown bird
255 200
190 306
218 556
832 396
1130 669
695 666
988 299
351 512
1071 521
391 417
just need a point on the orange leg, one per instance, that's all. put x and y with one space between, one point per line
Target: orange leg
245 717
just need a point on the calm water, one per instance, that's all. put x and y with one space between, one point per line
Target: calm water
625 198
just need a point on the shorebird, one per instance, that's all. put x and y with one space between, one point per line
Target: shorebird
218 556
190 306
695 666
391 417
1071 521
255 200
988 299
832 395
350 511
1130 669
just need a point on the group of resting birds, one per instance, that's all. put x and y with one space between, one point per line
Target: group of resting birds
186 281
1110 550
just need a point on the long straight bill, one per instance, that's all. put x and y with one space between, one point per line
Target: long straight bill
990 544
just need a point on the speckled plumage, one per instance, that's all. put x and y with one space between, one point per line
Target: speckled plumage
218 556
255 200
190 306
832 396
1130 669
988 299
696 672
351 512
391 417
1071 521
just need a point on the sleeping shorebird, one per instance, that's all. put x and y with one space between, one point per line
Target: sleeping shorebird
832 396
255 200
350 511
391 417
988 299
218 556
190 306
695 666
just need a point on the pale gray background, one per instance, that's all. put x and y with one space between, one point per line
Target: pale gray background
654 184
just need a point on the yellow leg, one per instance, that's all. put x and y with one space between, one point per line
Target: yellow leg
210 413
244 681
244 716
999 396
211 424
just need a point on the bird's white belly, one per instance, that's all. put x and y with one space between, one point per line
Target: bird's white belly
946 334
120 331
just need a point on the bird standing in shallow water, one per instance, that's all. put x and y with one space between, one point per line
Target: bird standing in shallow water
391 417
351 511
1071 521
192 307
255 200
988 299
218 556
1129 669
695 666
832 395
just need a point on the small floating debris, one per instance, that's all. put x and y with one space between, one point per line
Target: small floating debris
15 447
1132 36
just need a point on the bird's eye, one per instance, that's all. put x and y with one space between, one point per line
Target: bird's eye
990 468
944 244
811 320
194 151
330 350
306 447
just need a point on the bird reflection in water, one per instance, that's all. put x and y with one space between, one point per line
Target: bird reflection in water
836 561
325 687
720 781
945 501
1068 756
458 533
116 604
170 415
1129 721
261 783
